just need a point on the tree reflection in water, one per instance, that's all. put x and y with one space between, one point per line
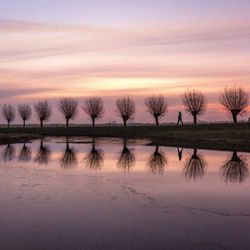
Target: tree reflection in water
43 154
8 153
194 166
94 159
68 159
157 162
25 154
235 169
180 151
126 159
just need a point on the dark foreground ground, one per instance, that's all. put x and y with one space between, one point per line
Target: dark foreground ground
205 136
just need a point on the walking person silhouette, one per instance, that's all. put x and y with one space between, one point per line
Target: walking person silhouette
180 153
180 119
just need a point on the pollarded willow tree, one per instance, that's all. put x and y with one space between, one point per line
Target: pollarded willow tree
235 101
125 108
25 112
157 106
43 111
195 103
68 108
8 113
94 108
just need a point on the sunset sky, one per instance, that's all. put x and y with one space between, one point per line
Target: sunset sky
108 48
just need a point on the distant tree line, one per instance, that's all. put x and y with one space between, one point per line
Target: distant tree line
235 101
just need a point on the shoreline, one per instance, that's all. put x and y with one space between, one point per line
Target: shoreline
228 137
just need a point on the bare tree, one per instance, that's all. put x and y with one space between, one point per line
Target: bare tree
43 111
157 162
195 103
43 155
68 108
94 108
69 158
94 159
8 153
157 106
235 101
127 158
195 166
25 154
125 108
235 169
8 114
24 112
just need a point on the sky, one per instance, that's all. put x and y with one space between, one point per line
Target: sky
73 48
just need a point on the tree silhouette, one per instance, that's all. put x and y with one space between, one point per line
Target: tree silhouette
43 111
126 159
94 108
235 169
94 159
8 113
24 112
125 108
25 154
195 166
235 101
68 159
157 162
68 108
43 154
195 103
157 106
8 153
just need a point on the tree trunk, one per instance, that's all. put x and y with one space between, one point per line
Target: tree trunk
23 123
156 150
195 152
156 120
124 122
8 125
235 118
41 123
195 119
93 122
67 122
67 144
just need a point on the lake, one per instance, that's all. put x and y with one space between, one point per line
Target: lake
85 193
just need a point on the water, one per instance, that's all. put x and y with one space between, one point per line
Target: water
80 193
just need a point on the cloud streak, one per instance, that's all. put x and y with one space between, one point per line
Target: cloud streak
81 60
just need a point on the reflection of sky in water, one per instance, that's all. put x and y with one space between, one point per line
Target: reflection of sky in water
117 194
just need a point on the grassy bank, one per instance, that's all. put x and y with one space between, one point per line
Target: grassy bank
7 138
205 136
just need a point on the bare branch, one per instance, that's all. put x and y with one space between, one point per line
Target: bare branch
195 103
43 111
24 112
8 113
127 158
157 162
125 108
68 108
195 166
94 108
69 158
236 169
94 159
235 101
157 106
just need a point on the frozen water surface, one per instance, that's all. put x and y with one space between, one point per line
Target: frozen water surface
84 193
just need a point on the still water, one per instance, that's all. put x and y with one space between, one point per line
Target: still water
84 193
